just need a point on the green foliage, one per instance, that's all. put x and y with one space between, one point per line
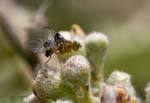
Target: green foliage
11 100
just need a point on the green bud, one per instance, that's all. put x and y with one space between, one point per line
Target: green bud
76 71
47 84
96 44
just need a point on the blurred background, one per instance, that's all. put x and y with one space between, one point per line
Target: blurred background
125 22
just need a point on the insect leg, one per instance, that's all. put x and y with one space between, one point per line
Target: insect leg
48 60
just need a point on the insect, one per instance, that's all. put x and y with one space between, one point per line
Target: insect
55 44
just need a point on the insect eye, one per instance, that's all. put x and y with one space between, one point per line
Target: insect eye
77 43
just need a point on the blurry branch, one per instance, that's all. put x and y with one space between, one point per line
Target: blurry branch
17 23
39 14
10 35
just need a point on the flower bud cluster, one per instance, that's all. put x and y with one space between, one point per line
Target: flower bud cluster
80 78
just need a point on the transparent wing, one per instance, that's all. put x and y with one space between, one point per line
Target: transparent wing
48 33
35 46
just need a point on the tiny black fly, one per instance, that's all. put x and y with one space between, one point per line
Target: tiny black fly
56 44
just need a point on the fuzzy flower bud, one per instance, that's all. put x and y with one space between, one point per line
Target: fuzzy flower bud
98 38
123 79
76 29
46 84
147 90
96 44
115 94
76 71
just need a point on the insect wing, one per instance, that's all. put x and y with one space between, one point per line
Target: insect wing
35 46
47 33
